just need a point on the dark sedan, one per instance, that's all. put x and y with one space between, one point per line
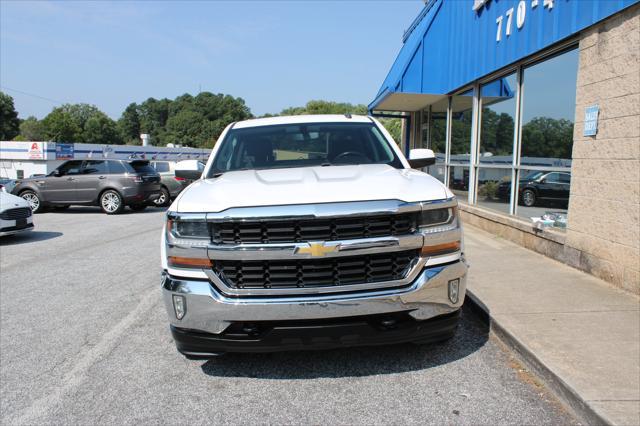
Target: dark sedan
538 187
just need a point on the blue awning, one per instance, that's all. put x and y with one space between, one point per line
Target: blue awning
452 44
402 88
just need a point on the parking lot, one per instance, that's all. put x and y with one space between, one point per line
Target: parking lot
84 339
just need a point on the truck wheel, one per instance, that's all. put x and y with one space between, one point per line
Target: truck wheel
111 202
164 199
34 201
528 198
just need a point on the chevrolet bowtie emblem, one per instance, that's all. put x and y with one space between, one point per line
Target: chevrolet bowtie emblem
317 249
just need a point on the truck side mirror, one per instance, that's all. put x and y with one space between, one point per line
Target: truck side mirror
56 173
419 158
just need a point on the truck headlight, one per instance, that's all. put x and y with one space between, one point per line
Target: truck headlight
188 229
435 220
187 240
438 220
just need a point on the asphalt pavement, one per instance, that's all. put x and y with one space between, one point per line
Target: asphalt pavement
84 340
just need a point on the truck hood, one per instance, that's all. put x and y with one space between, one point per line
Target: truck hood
309 185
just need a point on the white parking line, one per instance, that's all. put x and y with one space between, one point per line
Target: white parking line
78 374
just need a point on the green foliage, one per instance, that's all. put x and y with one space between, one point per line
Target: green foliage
326 107
101 129
547 137
31 129
60 126
80 123
129 124
393 125
188 120
497 133
9 122
488 190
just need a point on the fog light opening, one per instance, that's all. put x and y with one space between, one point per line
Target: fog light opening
179 306
454 290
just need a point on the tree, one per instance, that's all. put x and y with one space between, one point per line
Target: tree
32 129
101 129
547 137
80 123
61 127
153 115
199 120
129 124
9 122
185 127
393 125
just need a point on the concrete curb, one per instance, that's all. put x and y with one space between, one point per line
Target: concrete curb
564 392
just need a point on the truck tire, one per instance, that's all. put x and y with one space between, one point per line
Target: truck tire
111 202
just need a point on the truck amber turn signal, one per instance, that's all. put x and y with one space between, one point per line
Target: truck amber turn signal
189 262
438 249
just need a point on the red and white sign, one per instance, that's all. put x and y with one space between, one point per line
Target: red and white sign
36 151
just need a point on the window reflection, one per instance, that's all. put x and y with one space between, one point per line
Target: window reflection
459 181
548 109
494 189
460 157
498 120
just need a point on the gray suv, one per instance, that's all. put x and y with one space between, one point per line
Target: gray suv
110 184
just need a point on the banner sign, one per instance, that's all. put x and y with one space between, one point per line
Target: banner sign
36 151
64 151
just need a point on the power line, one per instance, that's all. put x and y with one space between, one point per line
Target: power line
32 95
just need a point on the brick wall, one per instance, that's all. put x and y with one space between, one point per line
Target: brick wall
604 208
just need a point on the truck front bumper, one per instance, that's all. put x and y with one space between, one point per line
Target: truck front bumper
422 312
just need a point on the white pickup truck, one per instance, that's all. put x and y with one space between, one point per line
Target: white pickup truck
311 232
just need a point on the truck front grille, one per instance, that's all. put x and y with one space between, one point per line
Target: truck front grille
299 230
338 271
14 214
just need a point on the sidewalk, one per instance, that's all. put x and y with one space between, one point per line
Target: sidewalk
583 334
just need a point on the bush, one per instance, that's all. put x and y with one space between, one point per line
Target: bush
488 190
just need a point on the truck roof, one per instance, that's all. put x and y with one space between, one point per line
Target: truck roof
298 119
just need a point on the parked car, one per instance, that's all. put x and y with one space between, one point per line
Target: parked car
110 184
6 185
15 215
311 232
538 187
172 185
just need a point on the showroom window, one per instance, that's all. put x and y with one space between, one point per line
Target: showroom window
522 133
460 148
434 136
548 110
498 103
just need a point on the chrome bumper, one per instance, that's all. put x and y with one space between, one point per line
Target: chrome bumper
210 311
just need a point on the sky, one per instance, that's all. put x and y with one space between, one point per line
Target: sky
273 54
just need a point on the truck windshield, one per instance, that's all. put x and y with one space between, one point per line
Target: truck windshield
303 145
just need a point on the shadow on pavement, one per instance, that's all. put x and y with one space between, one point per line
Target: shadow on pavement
472 334
28 237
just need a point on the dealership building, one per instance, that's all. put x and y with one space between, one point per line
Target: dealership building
20 160
532 108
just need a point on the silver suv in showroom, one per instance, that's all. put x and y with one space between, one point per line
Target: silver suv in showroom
110 184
